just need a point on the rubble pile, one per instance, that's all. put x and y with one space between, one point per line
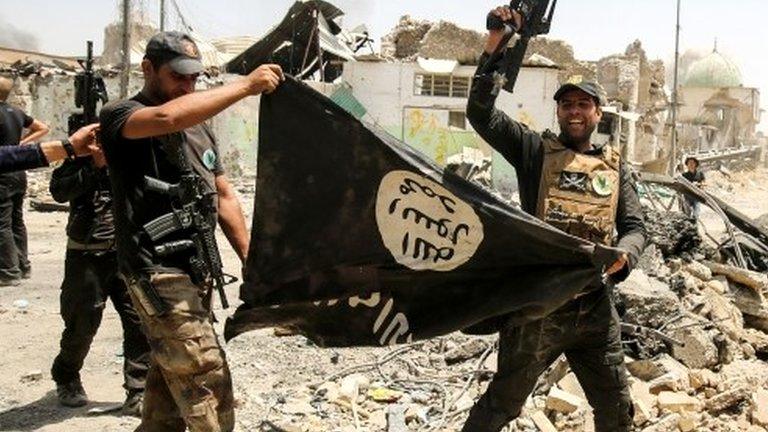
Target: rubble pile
404 41
695 333
412 38
447 40
561 53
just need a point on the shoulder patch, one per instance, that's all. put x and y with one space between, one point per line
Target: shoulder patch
209 159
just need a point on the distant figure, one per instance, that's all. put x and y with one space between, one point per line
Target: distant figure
14 264
693 175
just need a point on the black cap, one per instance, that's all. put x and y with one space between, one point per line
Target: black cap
178 50
591 88
691 158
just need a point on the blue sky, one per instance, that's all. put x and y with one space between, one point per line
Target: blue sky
594 28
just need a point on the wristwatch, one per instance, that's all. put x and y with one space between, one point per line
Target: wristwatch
68 148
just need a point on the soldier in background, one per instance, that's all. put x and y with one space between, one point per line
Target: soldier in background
14 263
90 278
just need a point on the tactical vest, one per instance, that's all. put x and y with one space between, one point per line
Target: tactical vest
579 193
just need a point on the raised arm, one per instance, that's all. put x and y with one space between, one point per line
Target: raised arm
510 138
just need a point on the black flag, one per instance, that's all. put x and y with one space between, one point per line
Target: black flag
358 239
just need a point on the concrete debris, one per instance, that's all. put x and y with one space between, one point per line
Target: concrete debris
32 376
542 422
471 349
673 233
445 40
562 401
647 301
756 281
679 402
759 411
698 349
396 419
727 399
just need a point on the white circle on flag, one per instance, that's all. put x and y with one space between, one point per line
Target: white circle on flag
423 225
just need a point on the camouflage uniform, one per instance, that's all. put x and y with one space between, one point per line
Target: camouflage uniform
188 384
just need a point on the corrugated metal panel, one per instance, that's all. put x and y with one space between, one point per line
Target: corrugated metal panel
344 98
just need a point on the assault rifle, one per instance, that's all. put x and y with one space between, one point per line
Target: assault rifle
193 208
537 18
89 90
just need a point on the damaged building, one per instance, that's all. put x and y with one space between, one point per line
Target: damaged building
717 112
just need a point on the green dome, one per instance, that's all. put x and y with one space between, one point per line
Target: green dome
713 71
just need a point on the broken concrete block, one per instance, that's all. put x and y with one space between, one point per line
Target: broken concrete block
724 314
687 422
759 411
470 349
699 271
648 302
642 412
755 280
703 378
758 340
563 402
727 399
649 369
698 350
491 363
465 402
718 285
640 391
668 423
396 419
542 422
678 402
378 420
671 381
570 384
352 385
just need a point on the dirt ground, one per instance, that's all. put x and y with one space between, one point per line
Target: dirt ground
266 370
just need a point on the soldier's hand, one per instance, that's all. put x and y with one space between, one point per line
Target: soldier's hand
618 265
99 160
265 78
84 139
505 14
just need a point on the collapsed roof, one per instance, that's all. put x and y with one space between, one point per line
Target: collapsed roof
306 41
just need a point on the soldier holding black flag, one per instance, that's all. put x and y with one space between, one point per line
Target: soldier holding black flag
585 190
164 160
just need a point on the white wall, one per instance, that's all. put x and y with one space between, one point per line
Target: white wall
385 89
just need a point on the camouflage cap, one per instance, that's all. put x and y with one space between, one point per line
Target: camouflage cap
178 50
592 88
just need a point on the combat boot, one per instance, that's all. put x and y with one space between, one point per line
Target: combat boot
133 403
71 394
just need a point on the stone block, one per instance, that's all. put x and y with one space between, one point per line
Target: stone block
759 411
563 402
699 271
542 422
678 402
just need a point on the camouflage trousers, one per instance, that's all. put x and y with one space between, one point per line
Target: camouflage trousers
188 384
587 331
